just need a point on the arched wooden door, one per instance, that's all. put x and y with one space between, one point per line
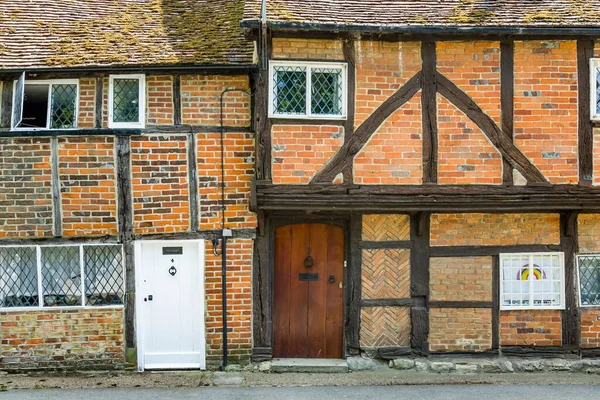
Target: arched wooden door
309 291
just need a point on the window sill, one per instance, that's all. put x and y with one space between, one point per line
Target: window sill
532 308
66 308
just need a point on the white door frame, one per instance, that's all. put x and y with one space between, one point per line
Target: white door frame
139 321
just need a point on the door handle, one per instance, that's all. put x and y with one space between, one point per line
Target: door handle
331 279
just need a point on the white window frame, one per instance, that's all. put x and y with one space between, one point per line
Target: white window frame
579 282
309 66
532 306
50 83
141 123
594 67
40 306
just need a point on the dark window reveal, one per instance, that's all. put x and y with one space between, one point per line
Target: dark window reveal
35 106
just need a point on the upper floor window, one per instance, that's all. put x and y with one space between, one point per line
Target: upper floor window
589 279
307 90
126 101
45 104
532 281
595 88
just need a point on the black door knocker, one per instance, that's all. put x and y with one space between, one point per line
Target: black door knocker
172 271
308 261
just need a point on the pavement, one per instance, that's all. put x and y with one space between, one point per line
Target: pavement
431 392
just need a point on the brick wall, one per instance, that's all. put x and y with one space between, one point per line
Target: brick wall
589 233
461 279
159 184
86 167
25 188
590 328
200 97
385 227
62 339
531 328
160 100
546 106
239 301
384 327
494 229
394 153
308 49
460 329
87 103
385 274
239 169
300 151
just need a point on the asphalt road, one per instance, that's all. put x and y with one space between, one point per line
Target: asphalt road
437 392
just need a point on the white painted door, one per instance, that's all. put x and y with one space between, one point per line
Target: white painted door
170 299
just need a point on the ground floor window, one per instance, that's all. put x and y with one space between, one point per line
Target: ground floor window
61 276
532 281
588 268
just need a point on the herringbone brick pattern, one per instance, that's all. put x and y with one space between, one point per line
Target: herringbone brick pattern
385 227
385 274
384 327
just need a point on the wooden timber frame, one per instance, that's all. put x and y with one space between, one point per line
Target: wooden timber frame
347 202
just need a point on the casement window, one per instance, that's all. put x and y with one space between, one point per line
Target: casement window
127 101
307 90
532 281
588 272
595 88
61 276
45 104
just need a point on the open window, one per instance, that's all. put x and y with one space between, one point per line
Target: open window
307 90
127 101
48 104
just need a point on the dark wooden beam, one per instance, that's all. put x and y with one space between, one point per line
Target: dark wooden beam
386 302
304 121
398 244
262 121
571 321
345 156
192 164
59 241
389 353
460 304
262 281
429 112
7 101
354 287
350 59
260 354
99 102
150 129
585 51
507 100
176 99
503 143
125 227
419 281
243 233
495 302
56 197
474 251
535 351
435 198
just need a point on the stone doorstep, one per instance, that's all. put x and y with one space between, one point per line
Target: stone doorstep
310 365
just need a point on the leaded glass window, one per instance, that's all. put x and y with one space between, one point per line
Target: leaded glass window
589 279
306 89
46 105
595 88
127 101
61 276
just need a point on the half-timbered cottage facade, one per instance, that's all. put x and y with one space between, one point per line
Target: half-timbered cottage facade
426 178
126 155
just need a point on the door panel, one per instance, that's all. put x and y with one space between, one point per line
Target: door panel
308 300
172 305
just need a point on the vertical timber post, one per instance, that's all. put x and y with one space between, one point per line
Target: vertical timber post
419 285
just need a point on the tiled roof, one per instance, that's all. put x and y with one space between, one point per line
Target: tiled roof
69 33
427 13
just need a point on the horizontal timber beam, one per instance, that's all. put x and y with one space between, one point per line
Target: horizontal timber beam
433 198
473 251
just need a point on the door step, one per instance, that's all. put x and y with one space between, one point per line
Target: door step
320 365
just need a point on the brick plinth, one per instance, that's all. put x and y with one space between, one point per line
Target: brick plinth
460 329
531 328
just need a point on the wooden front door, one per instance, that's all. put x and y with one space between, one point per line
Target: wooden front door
308 303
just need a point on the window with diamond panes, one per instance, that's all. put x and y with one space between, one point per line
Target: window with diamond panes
306 89
59 274
47 105
18 277
126 100
589 279
326 90
289 91
63 106
532 281
595 88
